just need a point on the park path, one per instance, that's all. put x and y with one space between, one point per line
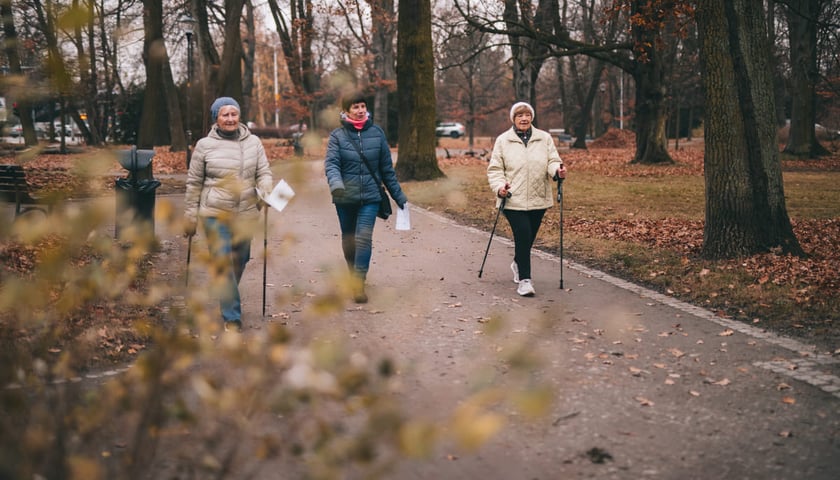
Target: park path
646 386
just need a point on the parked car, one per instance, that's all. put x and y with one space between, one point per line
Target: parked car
450 129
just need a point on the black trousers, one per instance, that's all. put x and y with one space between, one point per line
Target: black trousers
525 225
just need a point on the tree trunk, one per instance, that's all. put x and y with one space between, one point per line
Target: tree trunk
151 130
18 96
416 87
745 203
651 113
250 52
384 23
229 80
160 121
208 62
802 27
584 118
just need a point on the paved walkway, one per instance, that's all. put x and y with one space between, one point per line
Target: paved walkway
653 387
645 386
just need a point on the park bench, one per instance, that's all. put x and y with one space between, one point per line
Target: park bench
14 188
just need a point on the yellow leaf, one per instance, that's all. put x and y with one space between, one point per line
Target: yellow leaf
788 400
417 438
82 468
473 430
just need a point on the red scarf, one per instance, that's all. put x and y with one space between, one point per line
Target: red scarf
357 123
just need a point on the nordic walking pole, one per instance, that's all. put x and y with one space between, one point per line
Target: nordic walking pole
501 206
560 203
265 255
189 254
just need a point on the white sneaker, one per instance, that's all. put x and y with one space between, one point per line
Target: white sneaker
526 288
515 268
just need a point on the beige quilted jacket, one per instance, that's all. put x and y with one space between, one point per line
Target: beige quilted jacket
529 169
224 177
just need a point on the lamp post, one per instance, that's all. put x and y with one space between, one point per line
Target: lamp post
188 23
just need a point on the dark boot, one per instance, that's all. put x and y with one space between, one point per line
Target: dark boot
359 295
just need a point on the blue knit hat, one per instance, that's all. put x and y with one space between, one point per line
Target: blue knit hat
219 103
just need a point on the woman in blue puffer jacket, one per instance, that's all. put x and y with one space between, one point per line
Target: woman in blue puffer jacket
354 149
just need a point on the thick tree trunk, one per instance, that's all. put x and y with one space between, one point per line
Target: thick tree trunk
745 204
416 88
802 26
230 68
17 96
651 113
651 92
160 121
152 130
249 54
383 30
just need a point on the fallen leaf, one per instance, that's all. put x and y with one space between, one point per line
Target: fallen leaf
694 393
598 455
785 434
788 400
676 352
668 381
723 382
726 333
644 401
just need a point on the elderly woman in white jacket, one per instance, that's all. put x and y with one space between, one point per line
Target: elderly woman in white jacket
227 168
523 164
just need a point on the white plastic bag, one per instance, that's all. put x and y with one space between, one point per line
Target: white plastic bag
403 220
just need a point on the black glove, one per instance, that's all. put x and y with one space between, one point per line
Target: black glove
402 205
338 194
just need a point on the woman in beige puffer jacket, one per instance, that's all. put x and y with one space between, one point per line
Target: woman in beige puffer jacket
522 166
227 168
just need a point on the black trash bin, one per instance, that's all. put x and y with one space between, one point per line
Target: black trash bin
135 194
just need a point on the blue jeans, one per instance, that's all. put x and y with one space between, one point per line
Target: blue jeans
229 260
356 223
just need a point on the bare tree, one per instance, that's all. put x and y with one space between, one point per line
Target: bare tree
745 202
416 88
297 33
654 22
469 85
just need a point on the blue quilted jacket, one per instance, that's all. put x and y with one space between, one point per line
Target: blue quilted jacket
347 173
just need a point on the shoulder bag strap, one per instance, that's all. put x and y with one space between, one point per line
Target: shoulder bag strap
362 155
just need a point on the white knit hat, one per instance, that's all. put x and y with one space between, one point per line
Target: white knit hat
517 105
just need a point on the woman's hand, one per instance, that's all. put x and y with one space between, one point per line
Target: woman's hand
560 173
504 192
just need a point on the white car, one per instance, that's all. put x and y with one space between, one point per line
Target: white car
450 129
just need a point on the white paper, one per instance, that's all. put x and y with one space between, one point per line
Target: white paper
279 197
403 220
